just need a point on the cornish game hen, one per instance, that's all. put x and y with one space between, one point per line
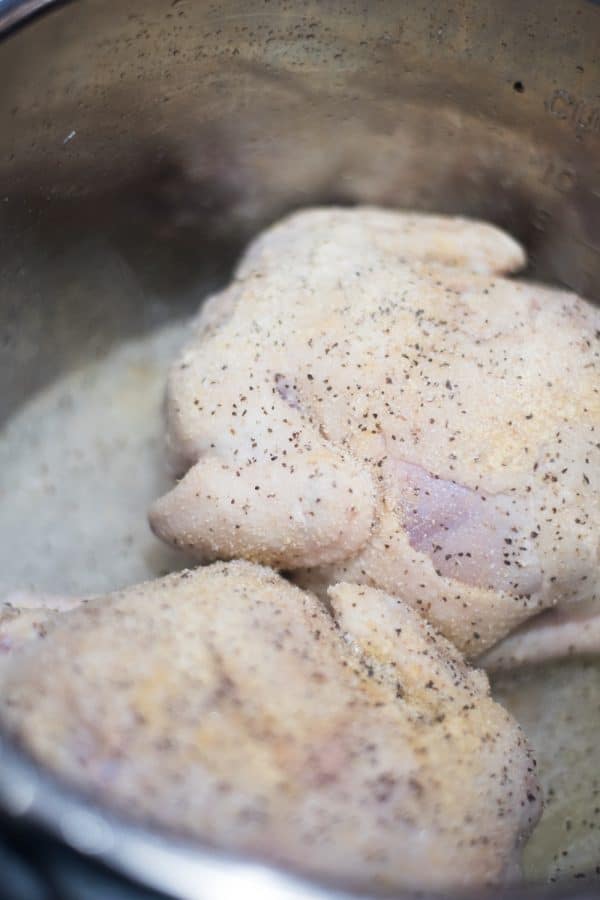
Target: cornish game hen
371 400
231 706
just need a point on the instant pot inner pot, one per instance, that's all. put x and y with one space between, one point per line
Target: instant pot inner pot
143 144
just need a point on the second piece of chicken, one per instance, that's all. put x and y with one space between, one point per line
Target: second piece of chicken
228 705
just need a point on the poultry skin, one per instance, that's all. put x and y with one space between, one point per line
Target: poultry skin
232 706
371 400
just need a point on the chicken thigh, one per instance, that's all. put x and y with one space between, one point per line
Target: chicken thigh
371 400
231 706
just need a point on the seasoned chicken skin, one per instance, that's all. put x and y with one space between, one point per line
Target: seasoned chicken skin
555 634
229 705
371 400
24 616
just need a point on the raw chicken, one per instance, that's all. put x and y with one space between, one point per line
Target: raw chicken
370 401
229 705
24 616
554 634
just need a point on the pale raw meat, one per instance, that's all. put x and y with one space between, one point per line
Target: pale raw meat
25 615
370 400
229 705
554 634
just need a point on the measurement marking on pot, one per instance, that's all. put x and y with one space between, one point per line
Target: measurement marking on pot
563 105
559 176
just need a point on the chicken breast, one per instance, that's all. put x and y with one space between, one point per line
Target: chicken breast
371 401
229 705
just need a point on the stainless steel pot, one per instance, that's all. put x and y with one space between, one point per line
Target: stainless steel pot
174 130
